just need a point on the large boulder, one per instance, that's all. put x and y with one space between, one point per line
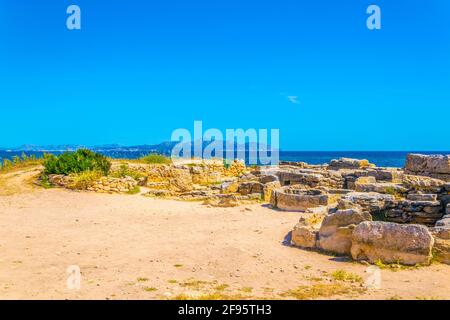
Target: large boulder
392 243
437 166
336 230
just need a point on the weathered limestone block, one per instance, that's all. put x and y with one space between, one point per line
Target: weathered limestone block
291 199
392 243
304 236
393 175
441 250
336 230
246 188
365 180
229 187
351 175
347 163
269 187
268 178
436 166
421 183
421 197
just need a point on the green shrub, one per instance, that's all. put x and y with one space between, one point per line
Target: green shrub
76 162
156 158
44 182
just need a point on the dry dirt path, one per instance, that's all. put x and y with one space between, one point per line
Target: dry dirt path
133 247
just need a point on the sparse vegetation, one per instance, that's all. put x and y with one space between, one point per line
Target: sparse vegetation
194 284
321 290
142 279
209 296
19 162
394 266
150 289
342 275
221 287
155 158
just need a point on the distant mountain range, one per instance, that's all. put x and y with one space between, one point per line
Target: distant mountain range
162 148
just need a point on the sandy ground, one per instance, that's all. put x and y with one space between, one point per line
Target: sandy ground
133 247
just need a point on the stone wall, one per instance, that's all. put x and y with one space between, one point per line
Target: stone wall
102 185
113 185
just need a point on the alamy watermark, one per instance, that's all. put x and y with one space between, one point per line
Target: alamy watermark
73 21
73 281
251 146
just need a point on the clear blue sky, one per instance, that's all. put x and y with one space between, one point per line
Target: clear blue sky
139 69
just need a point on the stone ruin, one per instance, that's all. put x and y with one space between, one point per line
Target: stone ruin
370 213
348 207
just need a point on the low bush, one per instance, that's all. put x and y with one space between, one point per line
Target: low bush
155 158
76 162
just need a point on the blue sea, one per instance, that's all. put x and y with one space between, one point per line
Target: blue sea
380 158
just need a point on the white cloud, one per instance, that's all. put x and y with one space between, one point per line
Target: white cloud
293 99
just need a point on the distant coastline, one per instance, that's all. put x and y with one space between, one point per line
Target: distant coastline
380 158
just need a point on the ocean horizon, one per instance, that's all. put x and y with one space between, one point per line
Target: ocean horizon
379 158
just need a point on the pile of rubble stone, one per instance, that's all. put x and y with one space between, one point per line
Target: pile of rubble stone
385 214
